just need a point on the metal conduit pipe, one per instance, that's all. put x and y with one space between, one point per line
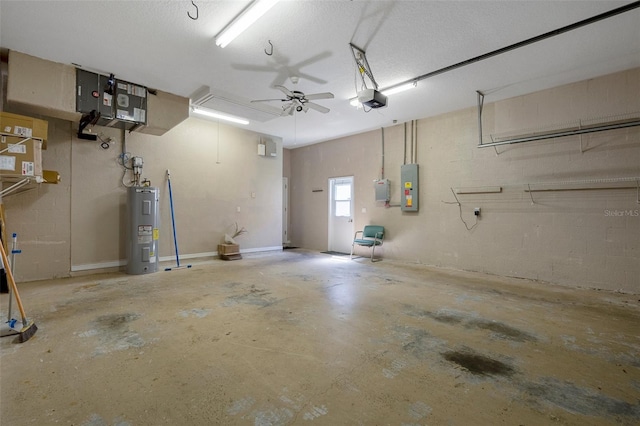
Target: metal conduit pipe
415 153
480 105
404 159
382 131
563 134
411 162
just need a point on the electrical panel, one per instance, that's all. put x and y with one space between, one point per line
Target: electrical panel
409 182
382 188
119 103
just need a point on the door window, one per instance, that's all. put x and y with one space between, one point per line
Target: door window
342 200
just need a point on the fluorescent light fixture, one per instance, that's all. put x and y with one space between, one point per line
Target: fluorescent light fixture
401 88
244 21
225 117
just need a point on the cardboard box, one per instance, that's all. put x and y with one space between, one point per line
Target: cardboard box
20 125
20 156
229 251
228 248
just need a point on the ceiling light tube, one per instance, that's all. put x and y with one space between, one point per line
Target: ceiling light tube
250 15
398 89
213 114
391 91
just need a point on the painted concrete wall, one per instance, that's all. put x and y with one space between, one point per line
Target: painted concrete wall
79 224
576 237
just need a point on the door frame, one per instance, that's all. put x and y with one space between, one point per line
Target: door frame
331 223
285 211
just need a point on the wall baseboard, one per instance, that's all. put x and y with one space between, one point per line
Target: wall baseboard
123 262
102 265
259 249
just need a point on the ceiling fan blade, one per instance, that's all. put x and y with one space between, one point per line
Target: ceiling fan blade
268 100
284 90
325 95
317 107
248 67
309 77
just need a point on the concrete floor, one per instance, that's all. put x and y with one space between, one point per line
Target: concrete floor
299 337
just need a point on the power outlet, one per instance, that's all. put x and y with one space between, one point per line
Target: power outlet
476 211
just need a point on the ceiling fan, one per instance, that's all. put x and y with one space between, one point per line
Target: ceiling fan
298 101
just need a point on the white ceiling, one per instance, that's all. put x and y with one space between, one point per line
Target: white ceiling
155 43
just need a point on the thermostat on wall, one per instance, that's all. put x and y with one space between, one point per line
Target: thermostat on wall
267 148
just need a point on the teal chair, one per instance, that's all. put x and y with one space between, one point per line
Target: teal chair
371 236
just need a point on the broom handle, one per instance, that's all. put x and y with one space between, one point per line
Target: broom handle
173 220
13 264
5 262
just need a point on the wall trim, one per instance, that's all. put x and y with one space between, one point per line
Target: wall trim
123 262
102 265
259 249
188 256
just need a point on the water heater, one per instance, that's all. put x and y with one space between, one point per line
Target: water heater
142 230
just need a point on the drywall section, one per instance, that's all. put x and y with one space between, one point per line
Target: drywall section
78 225
217 179
580 238
41 215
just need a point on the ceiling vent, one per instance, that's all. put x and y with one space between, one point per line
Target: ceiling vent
201 96
234 105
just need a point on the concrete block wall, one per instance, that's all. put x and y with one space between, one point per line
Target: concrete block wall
581 238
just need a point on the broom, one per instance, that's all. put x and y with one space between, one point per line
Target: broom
10 320
173 223
28 328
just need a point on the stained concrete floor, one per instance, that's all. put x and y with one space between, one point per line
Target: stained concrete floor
299 337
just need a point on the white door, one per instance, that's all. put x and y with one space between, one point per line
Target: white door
341 214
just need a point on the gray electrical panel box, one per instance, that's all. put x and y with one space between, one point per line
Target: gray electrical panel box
382 190
120 104
409 182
